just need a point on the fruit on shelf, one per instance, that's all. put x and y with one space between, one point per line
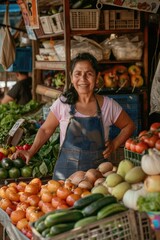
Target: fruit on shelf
137 81
134 70
119 69
110 80
124 80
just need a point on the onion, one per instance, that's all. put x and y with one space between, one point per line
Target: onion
99 181
105 167
92 175
77 177
85 184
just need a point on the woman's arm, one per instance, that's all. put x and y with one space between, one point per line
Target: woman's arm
127 126
43 134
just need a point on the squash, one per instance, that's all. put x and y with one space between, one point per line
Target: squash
131 196
150 162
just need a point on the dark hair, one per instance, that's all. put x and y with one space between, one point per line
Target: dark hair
71 95
24 73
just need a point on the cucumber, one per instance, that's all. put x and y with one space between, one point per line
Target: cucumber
41 226
85 201
42 218
95 206
63 217
110 210
60 228
85 221
45 232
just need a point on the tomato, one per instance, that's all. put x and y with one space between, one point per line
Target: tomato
141 147
33 200
14 172
155 127
19 148
56 201
128 143
72 198
47 207
143 134
3 191
157 144
26 146
29 234
133 145
151 140
12 149
22 206
17 215
10 209
32 188
22 223
4 151
53 185
63 192
46 196
35 215
1 156
4 203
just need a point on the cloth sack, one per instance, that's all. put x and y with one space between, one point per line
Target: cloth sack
7 44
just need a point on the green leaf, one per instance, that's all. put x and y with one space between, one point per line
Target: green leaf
43 169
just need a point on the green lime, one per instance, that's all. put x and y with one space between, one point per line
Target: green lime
26 171
19 163
14 172
7 163
3 173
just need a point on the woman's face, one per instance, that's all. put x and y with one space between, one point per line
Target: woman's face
84 77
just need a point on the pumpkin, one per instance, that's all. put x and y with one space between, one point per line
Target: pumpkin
131 196
150 162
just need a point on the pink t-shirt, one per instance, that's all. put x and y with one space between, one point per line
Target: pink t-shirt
110 112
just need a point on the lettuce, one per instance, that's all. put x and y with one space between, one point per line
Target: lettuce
151 202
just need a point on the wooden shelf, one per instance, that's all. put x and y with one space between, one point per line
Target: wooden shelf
47 65
48 92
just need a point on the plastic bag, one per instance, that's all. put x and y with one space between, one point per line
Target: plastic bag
7 44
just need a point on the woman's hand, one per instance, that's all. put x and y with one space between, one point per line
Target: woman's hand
109 149
23 154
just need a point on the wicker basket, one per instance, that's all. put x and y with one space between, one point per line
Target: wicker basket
84 19
120 226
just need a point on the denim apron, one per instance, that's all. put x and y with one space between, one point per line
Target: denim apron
82 147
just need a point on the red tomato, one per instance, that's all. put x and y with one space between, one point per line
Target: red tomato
143 134
141 147
72 198
155 127
133 145
157 144
151 140
26 146
1 156
128 143
19 147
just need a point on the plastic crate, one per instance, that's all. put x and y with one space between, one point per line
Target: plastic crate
133 156
131 104
121 19
145 231
84 19
120 226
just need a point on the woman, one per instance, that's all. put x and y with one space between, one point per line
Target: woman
84 119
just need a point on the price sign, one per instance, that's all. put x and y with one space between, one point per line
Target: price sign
16 126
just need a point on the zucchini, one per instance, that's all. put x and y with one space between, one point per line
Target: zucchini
110 210
85 201
77 4
45 232
85 221
41 227
95 206
63 217
42 218
60 228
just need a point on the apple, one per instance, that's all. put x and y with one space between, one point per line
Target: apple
110 80
137 81
124 80
134 70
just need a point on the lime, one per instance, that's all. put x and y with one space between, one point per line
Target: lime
14 172
3 173
19 163
7 163
26 171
